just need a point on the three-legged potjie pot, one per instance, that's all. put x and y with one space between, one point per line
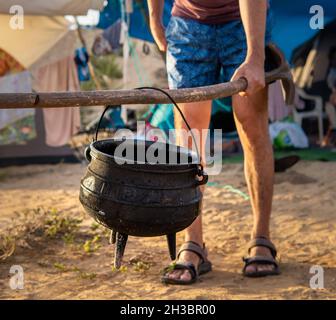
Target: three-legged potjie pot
132 196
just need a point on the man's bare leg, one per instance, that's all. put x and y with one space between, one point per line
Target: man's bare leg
251 116
198 117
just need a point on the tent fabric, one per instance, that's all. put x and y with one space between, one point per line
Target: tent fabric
39 36
17 126
45 47
52 8
19 82
60 50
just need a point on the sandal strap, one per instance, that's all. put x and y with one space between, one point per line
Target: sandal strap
260 260
195 248
183 266
262 242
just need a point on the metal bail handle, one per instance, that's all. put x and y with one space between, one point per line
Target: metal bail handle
95 137
182 116
200 171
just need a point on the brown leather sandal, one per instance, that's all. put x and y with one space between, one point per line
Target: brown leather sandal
261 242
203 267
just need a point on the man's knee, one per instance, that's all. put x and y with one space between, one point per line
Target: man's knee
196 113
252 118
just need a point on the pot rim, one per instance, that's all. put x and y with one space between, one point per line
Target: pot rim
101 155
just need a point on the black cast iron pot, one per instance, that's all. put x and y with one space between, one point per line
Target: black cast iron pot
139 198
131 194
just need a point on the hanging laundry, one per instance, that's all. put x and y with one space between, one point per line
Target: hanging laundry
60 123
81 60
278 110
110 14
138 17
276 102
108 41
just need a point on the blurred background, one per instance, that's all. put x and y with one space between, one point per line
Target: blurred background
96 45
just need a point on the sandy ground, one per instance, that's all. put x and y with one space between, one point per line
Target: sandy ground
303 226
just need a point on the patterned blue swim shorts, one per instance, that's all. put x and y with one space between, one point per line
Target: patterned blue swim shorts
201 54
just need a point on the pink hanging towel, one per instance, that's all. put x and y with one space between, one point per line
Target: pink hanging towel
60 123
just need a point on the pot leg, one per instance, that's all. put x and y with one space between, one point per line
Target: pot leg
121 240
171 239
113 237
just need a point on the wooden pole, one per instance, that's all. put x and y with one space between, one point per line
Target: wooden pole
117 97
148 96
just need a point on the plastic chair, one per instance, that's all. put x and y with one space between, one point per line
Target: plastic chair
315 110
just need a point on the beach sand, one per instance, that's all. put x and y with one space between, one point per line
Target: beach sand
303 228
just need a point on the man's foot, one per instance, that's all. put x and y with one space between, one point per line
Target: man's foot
191 262
256 267
184 275
261 261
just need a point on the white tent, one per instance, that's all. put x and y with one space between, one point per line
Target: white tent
45 39
52 8
46 36
41 41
